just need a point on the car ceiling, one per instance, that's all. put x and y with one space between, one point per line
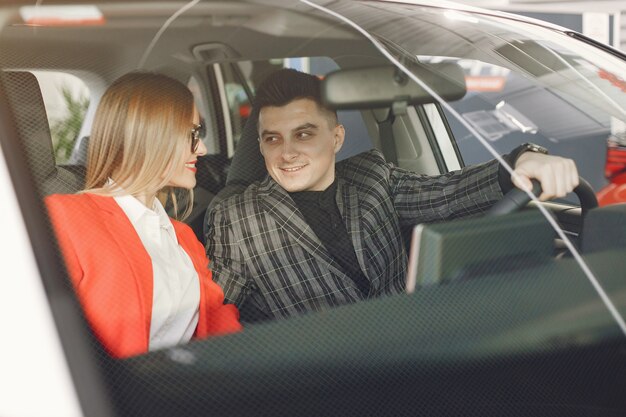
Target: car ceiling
116 46
222 30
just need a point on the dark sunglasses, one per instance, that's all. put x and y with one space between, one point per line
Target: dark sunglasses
196 133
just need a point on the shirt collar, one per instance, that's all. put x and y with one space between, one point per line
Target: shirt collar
323 198
164 219
135 209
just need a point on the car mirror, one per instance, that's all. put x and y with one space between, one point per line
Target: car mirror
376 87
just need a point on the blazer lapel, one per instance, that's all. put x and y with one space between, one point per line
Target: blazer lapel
281 207
348 204
125 236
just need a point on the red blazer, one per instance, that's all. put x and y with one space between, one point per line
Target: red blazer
112 273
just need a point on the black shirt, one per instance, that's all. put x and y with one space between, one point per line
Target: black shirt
320 211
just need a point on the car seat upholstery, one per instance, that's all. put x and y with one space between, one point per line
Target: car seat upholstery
24 95
246 167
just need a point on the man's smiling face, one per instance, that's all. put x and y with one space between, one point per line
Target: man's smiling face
299 142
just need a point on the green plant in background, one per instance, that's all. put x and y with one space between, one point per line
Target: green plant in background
65 131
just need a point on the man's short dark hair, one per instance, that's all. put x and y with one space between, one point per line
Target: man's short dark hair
286 85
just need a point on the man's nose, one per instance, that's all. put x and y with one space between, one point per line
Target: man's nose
289 150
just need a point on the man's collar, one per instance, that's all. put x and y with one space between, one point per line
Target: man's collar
317 196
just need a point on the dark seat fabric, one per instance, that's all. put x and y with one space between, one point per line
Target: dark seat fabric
246 167
604 228
24 95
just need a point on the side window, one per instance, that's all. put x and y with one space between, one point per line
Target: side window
508 109
66 98
200 100
237 90
485 109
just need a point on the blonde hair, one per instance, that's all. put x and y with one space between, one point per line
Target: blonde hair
140 132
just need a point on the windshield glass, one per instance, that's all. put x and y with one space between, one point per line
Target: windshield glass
368 232
524 83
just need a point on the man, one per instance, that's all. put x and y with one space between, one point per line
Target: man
313 234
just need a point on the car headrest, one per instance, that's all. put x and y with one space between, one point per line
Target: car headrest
24 96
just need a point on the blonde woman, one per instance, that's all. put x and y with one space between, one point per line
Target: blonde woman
141 277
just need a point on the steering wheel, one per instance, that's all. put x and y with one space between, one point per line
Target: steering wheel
516 199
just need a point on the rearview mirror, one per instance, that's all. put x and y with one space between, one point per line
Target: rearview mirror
376 87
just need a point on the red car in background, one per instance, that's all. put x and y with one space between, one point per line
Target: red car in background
615 172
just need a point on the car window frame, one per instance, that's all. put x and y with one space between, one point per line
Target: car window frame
77 342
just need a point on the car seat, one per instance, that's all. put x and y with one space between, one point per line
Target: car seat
24 95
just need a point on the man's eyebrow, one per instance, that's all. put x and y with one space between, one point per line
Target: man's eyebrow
295 129
305 126
268 132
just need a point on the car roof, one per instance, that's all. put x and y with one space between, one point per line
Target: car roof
231 23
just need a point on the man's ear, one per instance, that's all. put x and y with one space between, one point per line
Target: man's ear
340 134
260 147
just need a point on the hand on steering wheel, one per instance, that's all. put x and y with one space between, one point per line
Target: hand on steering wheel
515 199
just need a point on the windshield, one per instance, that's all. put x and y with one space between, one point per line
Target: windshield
370 234
524 83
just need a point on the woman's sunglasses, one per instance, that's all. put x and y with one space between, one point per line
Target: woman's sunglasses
196 134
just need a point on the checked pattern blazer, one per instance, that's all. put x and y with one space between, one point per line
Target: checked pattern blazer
263 252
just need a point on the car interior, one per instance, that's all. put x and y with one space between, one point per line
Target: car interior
349 361
23 92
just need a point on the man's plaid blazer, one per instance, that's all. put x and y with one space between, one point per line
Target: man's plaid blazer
263 252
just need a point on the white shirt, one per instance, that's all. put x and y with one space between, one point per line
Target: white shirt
176 294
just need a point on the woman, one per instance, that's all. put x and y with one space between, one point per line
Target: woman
141 277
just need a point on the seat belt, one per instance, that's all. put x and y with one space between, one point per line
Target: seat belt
385 129
386 138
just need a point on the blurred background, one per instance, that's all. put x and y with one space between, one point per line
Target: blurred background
603 20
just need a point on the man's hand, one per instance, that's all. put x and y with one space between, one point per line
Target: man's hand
558 176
